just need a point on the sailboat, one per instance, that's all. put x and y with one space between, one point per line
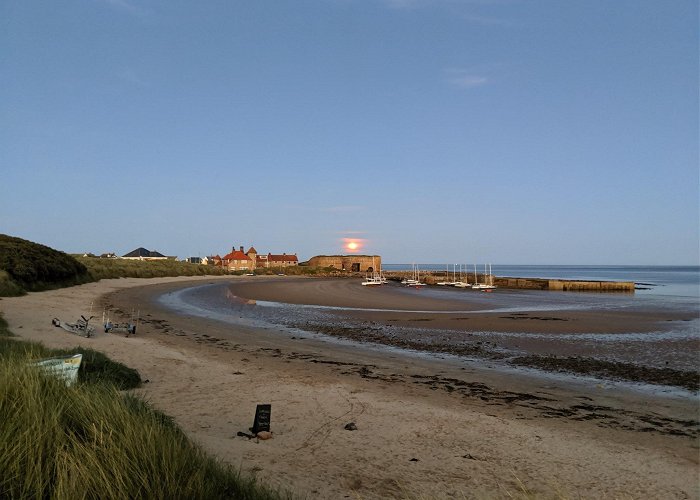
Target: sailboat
376 278
447 275
487 287
414 281
477 285
460 283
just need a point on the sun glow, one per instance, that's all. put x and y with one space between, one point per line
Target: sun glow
353 245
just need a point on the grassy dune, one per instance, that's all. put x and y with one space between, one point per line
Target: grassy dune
93 441
27 266
125 268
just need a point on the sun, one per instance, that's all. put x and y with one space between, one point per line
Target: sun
353 245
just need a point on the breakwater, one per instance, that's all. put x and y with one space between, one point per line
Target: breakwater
433 277
565 285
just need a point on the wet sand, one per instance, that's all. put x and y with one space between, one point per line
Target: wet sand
426 427
608 338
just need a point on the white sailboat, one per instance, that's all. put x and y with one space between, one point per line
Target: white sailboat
477 285
487 287
414 281
460 283
375 279
447 276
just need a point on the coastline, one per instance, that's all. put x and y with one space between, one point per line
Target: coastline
471 431
547 330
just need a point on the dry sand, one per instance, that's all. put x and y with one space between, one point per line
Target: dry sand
427 428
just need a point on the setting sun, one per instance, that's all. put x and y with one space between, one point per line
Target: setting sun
353 245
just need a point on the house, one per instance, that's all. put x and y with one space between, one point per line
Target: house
283 260
194 260
237 261
144 254
213 260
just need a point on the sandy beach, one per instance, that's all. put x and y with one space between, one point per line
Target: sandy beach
427 427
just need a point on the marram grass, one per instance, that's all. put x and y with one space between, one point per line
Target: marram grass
91 441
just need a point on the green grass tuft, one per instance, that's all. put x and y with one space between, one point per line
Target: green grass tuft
96 368
89 441
4 330
92 441
8 287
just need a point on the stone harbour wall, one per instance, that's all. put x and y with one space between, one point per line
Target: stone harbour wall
565 285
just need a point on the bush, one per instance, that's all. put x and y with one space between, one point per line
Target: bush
8 287
34 267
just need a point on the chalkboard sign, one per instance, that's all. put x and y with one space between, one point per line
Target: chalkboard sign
262 418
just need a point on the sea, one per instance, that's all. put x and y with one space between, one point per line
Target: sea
662 281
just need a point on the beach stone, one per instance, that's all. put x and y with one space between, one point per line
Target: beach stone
264 435
351 426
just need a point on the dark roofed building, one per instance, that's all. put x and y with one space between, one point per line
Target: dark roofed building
144 254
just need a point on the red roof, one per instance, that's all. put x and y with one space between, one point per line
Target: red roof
282 258
236 255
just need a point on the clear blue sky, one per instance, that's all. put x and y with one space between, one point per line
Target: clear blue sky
503 131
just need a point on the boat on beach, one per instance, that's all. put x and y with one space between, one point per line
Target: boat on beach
487 285
447 276
414 281
376 279
459 283
372 281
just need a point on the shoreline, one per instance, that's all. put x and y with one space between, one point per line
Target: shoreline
566 340
470 431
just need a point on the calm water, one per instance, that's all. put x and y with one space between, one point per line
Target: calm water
678 281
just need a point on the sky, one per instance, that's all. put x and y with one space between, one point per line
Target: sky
433 131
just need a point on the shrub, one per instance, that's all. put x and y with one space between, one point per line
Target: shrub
34 267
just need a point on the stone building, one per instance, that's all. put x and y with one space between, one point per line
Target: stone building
238 260
352 263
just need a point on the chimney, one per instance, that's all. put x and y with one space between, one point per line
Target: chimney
241 248
233 249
